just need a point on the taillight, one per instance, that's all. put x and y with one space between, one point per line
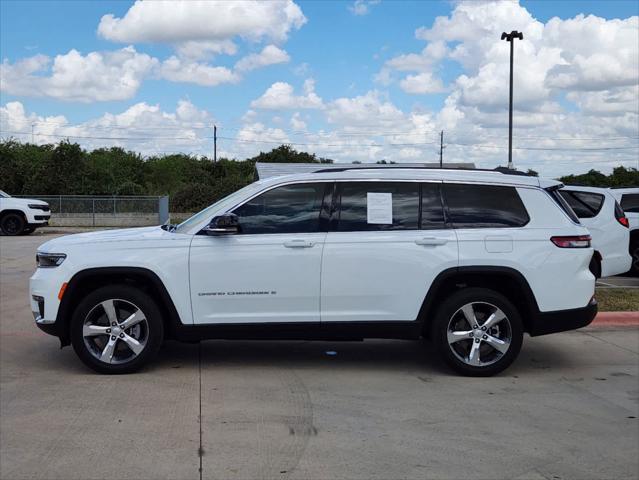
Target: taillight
621 216
576 241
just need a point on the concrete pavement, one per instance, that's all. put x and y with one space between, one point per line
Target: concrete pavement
567 408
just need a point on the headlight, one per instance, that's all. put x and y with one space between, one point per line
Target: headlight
48 260
37 206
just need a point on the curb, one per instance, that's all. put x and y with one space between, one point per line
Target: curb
616 319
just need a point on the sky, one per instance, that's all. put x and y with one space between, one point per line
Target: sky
357 80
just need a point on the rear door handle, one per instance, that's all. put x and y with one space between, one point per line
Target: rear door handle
298 244
431 241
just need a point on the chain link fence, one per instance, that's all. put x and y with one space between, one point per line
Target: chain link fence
105 211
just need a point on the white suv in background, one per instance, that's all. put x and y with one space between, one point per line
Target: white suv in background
22 215
469 259
629 200
599 211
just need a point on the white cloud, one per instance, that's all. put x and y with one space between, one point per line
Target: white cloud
176 69
421 83
270 55
364 110
205 49
297 123
98 76
281 96
203 20
142 127
362 7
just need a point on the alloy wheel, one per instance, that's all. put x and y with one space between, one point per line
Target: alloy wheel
115 331
479 334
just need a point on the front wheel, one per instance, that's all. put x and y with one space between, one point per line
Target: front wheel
478 332
12 224
116 329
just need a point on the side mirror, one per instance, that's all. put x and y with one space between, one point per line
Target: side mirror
225 224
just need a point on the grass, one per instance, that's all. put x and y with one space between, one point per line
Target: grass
618 299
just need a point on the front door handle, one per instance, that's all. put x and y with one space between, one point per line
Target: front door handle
298 244
431 241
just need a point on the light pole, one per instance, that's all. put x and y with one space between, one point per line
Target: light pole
510 37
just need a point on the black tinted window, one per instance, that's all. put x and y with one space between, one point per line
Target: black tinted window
378 206
630 202
471 206
432 212
286 209
584 204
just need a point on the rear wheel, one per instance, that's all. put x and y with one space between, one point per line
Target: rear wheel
12 224
116 329
478 332
634 252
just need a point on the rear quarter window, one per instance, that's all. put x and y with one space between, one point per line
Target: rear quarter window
584 204
484 206
630 202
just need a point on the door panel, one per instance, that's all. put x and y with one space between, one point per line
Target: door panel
256 278
383 276
382 271
270 270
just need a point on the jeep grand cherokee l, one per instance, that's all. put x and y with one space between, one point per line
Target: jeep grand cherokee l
469 259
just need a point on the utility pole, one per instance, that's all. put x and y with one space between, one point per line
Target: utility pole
32 138
510 37
441 149
214 143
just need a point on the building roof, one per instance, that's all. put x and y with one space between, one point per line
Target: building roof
268 170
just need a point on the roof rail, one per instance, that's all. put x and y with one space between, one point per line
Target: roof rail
502 170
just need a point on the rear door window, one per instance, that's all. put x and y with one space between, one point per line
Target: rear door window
584 204
484 206
371 206
630 202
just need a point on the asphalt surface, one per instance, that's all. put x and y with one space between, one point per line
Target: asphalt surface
566 409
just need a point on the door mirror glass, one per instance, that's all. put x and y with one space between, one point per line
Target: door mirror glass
225 224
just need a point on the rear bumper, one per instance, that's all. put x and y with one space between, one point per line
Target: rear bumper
563 320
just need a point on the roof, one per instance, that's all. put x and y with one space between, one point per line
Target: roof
425 174
268 170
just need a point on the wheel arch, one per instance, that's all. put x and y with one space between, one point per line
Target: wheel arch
90 279
505 280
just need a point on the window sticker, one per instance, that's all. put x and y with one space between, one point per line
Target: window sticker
379 208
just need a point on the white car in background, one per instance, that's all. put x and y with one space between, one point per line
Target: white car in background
22 215
628 198
599 211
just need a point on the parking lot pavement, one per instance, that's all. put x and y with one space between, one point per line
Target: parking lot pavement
619 281
567 408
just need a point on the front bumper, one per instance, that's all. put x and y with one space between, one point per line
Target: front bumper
563 320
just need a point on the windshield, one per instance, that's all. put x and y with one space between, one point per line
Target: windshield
208 211
4 195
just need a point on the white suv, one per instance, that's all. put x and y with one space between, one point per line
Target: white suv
629 200
469 259
599 211
20 216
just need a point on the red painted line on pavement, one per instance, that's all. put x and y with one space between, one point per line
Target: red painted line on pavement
616 319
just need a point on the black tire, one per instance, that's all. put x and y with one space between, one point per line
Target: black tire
124 297
595 267
634 253
483 299
12 224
